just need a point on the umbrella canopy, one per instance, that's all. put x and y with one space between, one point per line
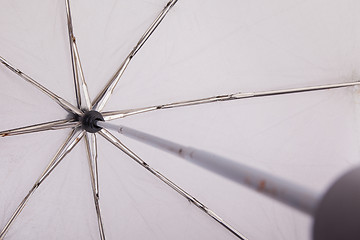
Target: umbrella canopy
201 49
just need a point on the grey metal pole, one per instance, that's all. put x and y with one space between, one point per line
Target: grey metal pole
336 212
265 183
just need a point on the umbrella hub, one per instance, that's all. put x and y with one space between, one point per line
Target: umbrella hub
89 119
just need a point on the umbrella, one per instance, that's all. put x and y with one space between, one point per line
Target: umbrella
202 51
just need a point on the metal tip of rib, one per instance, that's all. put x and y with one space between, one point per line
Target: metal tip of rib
8 65
2 60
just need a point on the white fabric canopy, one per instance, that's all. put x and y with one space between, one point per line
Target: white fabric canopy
201 49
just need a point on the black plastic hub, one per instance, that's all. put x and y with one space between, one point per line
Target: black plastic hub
89 119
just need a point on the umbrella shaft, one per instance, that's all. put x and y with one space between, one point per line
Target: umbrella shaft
264 183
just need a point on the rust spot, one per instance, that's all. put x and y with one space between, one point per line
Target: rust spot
262 185
4 134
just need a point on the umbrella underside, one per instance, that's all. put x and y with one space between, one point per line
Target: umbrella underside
125 200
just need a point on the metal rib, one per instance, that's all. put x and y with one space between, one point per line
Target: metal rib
92 156
92 142
82 77
124 113
105 94
93 145
62 102
111 138
53 125
65 148
73 60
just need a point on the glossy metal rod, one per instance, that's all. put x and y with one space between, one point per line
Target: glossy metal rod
53 125
73 60
65 148
94 182
93 147
279 189
62 102
79 78
105 94
228 97
91 140
111 138
84 86
77 137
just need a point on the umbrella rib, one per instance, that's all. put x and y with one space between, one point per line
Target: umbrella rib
70 142
73 60
82 77
228 97
105 94
76 63
112 139
93 147
92 160
53 125
62 102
